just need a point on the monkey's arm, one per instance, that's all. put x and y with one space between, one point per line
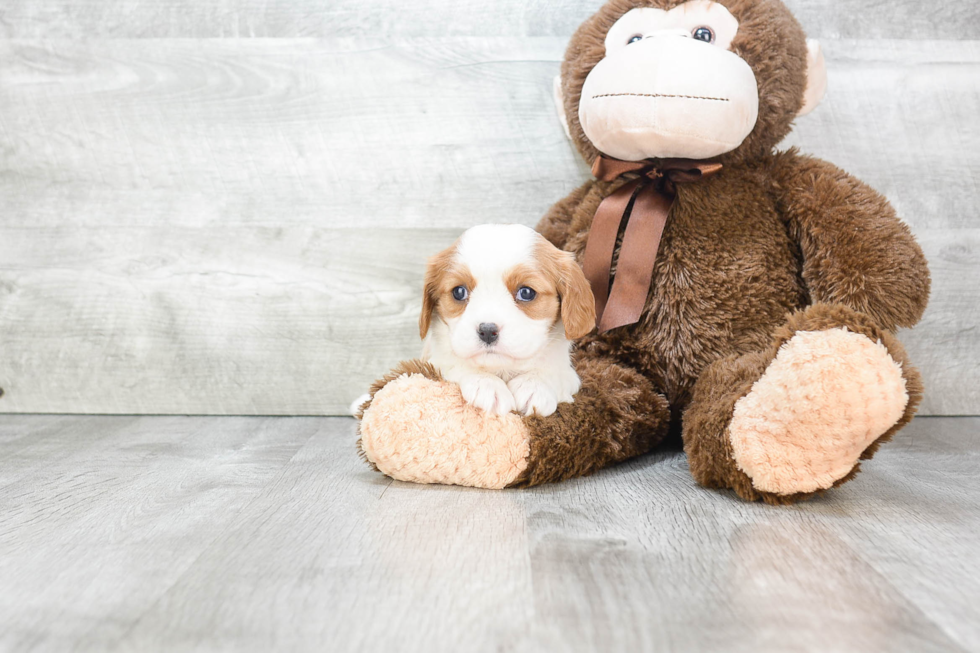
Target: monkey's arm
855 250
556 222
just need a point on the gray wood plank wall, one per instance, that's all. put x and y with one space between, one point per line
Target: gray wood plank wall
194 219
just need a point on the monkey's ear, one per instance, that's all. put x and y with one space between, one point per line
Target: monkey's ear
560 106
816 77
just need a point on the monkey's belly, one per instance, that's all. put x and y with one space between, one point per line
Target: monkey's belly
711 302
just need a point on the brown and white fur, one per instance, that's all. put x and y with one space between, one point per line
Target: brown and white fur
506 347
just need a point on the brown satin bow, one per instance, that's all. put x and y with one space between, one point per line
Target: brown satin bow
644 205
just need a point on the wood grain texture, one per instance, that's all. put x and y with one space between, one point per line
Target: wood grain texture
339 133
945 346
210 320
238 226
301 321
444 133
431 18
174 486
204 534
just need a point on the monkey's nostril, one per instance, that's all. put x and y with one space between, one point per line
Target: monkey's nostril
488 332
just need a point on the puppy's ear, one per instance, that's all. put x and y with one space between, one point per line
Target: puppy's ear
435 270
428 306
577 300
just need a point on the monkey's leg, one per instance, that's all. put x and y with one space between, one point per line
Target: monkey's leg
783 424
617 415
417 428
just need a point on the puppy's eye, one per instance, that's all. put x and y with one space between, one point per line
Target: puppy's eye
526 294
636 38
703 34
460 293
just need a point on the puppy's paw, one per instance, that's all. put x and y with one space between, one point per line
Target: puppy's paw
533 396
568 385
487 392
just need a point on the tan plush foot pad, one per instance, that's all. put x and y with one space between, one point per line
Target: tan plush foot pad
422 431
826 397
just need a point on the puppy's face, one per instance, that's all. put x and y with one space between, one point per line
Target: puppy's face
501 291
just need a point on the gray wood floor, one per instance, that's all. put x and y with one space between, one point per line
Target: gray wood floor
171 534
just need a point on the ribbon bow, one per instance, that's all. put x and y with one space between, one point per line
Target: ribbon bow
643 204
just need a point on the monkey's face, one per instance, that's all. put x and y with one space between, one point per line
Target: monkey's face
696 79
669 86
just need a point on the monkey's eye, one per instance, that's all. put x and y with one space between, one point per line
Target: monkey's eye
460 293
703 34
636 38
526 294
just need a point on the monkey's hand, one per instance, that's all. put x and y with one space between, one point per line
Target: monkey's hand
856 251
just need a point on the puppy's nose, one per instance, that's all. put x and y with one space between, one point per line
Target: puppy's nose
489 333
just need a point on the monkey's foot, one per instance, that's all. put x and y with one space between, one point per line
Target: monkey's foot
418 428
826 397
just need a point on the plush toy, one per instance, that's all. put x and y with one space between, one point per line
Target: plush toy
747 297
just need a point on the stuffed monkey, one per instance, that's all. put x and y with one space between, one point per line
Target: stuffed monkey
747 297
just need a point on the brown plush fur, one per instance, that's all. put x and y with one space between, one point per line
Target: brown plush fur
616 416
771 235
775 244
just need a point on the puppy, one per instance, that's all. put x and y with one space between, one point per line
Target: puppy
499 309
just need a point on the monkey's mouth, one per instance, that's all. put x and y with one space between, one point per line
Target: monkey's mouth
662 95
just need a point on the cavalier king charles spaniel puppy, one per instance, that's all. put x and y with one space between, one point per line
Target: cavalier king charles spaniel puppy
500 308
